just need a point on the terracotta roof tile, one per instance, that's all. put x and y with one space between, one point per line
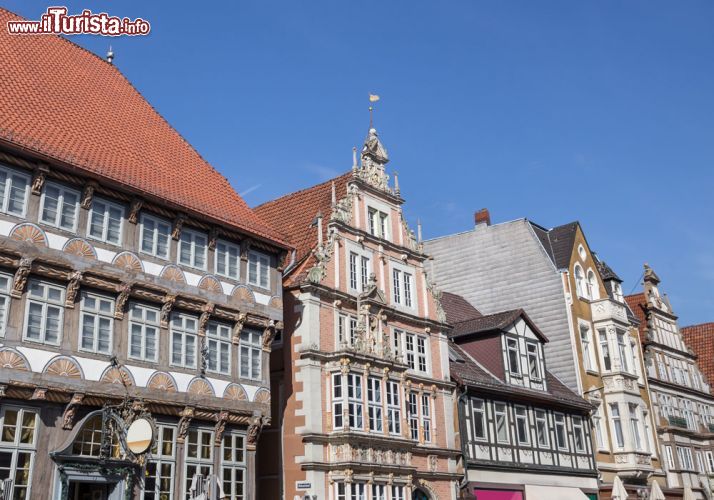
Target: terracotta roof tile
637 303
700 338
292 214
63 103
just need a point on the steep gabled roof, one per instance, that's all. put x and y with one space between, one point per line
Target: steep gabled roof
606 272
62 103
293 214
637 304
562 239
457 308
700 338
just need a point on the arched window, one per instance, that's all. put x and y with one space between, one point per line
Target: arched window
88 442
593 291
579 281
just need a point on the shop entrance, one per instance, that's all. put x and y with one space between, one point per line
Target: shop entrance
89 491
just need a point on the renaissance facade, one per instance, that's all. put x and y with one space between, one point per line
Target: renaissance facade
125 293
367 405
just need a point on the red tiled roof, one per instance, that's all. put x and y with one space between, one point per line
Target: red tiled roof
636 303
63 103
700 338
457 308
292 214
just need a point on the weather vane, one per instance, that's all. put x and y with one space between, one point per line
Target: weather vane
372 98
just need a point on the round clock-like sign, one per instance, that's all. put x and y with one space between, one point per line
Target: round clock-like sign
139 436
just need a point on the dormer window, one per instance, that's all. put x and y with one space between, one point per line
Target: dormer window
378 223
617 292
513 357
533 360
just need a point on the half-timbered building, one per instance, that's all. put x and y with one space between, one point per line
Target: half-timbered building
524 434
366 403
681 396
134 283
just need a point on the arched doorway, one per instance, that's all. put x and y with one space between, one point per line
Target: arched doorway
420 494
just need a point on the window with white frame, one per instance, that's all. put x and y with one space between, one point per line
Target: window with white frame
143 332
259 269
412 349
541 420
355 406
218 339
374 404
184 334
599 432
585 346
622 350
402 287
233 466
501 415
478 412
684 454
346 329
413 414
192 250
700 461
355 490
617 425
59 206
13 191
533 360
394 412
105 221
561 439
360 267
228 260
378 223
513 356
617 292
579 434
155 236
709 461
398 492
5 282
96 323
522 431
604 350
198 457
593 290
670 457
17 449
379 491
159 474
251 351
579 281
44 312
337 401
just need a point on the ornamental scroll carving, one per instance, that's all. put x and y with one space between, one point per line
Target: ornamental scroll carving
270 332
323 254
254 429
186 417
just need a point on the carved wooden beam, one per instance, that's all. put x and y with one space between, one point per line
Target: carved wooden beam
186 417
166 307
124 292
71 410
136 204
20 281
238 328
178 226
38 178
73 289
88 194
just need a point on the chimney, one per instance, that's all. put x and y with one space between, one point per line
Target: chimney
482 217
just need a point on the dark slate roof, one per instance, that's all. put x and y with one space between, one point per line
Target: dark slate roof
606 272
492 323
457 308
542 234
468 372
562 239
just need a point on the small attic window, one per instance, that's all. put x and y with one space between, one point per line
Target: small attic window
582 253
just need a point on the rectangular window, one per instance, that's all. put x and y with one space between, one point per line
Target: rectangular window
599 434
542 428
228 260
402 287
478 408
353 271
426 417
198 457
514 365
17 450
159 475
155 234
337 401
346 329
622 347
5 282
59 206
413 414
218 338
685 458
13 191
192 249
617 425
579 434
635 426
251 351
259 269
585 346
354 401
710 461
378 223
379 492
560 434
605 350
96 323
184 333
522 425
501 422
143 332
233 466
394 412
105 221
44 313
398 493
364 272
533 361
670 457
360 268
374 402
415 352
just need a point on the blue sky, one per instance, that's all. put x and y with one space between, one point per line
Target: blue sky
597 111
